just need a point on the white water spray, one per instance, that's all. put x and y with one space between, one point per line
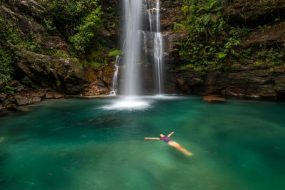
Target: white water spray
131 57
153 12
132 61
115 77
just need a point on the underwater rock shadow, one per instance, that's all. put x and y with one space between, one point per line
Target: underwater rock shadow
107 122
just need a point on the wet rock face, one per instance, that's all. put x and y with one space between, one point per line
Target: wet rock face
21 101
51 67
42 69
245 80
101 81
23 97
51 72
2 97
248 82
254 12
53 95
269 36
279 87
170 14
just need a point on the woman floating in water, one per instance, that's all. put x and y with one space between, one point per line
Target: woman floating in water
170 143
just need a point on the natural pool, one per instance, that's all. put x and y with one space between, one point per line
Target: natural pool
77 145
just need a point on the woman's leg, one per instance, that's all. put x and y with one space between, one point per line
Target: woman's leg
180 148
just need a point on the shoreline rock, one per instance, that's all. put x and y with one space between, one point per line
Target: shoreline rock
11 102
214 99
252 82
53 95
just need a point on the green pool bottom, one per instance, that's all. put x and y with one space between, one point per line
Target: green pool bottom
77 145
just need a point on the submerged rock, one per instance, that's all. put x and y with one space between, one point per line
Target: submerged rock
214 99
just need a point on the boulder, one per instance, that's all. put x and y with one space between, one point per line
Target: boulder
35 100
53 95
40 94
214 99
22 100
3 97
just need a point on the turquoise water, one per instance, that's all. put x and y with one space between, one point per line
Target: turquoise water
77 145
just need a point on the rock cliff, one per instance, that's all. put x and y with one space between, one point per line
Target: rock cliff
246 78
44 65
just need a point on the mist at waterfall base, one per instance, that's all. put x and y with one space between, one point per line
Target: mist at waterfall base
74 144
141 29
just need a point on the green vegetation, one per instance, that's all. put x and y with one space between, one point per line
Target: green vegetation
78 21
12 36
86 31
212 43
8 89
98 58
6 67
115 53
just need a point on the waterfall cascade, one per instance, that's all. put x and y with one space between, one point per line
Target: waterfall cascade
143 46
132 47
153 12
140 41
115 77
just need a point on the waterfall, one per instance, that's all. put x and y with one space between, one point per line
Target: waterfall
115 77
138 37
153 12
131 58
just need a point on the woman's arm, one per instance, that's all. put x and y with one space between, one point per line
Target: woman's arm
170 134
151 138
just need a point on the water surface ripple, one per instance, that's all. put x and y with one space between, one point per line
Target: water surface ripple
77 145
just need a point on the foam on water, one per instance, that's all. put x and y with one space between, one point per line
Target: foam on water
165 97
128 103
